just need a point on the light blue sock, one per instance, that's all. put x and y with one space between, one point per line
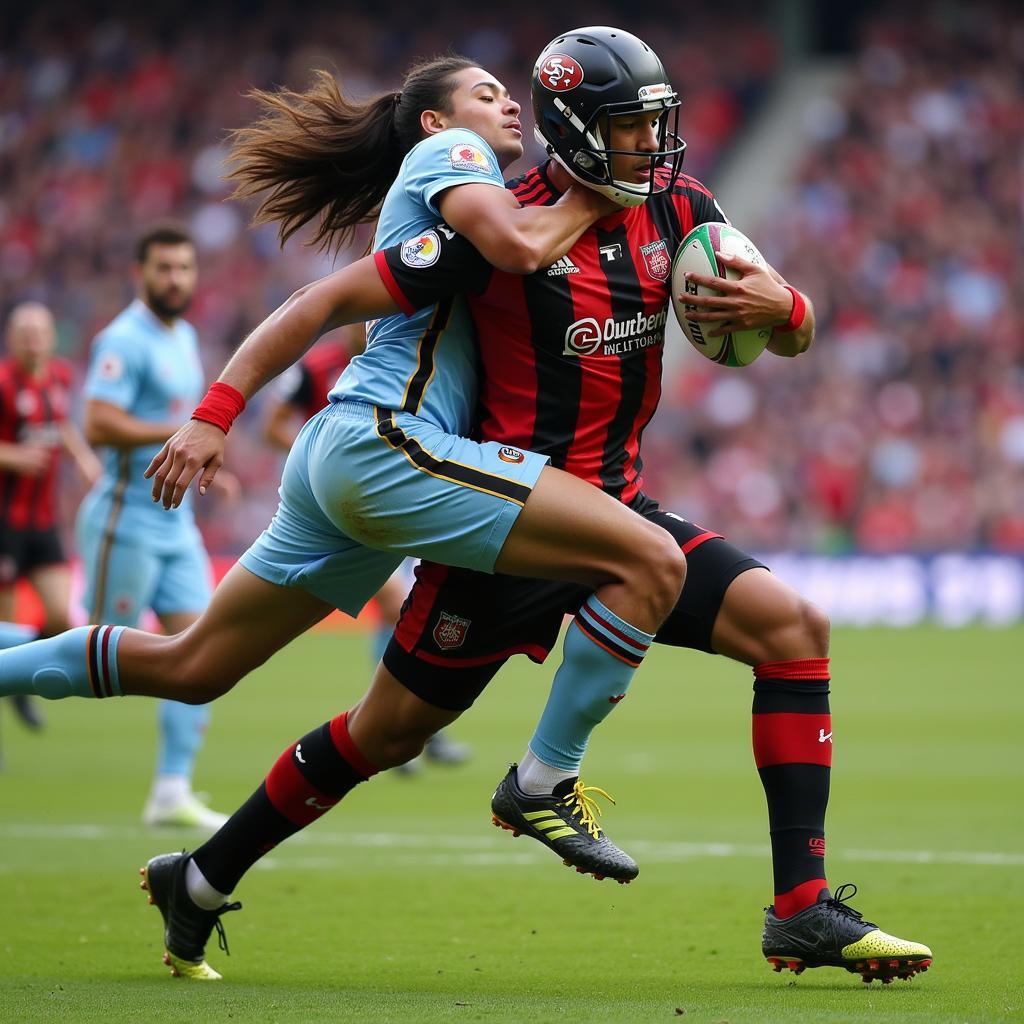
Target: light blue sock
379 642
600 655
14 635
182 728
79 663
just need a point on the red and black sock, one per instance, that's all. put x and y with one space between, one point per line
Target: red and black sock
307 780
792 734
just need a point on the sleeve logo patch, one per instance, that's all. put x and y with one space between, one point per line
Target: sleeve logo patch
560 73
110 367
467 157
421 251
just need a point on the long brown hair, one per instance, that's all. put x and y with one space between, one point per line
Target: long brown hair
320 154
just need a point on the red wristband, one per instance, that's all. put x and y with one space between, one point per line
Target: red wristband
796 317
220 406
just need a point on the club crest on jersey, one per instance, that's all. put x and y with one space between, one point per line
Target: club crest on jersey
421 251
560 73
111 367
25 402
467 157
513 455
656 259
450 631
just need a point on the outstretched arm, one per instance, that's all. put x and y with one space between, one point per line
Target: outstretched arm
351 294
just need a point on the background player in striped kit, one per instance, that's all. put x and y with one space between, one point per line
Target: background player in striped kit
144 376
35 389
298 395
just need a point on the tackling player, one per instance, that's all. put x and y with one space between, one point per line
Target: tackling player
382 472
299 394
144 376
34 429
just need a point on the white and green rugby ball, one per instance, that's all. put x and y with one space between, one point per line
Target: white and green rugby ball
696 255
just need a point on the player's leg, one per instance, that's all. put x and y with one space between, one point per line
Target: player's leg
387 727
183 590
494 508
766 624
637 572
248 620
13 634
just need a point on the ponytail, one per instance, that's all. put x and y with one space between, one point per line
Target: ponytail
320 155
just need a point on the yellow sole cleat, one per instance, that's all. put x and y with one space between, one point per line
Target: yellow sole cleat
831 934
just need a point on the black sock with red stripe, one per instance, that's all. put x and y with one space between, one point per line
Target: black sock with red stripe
792 734
307 780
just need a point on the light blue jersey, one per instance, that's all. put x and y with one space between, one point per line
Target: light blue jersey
153 373
425 364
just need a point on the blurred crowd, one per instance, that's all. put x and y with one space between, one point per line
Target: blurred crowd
112 115
906 431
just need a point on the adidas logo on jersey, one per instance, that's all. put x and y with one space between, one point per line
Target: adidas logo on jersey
562 266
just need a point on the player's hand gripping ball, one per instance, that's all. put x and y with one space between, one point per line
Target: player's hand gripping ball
696 255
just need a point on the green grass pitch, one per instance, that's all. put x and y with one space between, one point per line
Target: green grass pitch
405 904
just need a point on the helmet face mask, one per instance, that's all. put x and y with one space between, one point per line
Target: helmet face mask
584 79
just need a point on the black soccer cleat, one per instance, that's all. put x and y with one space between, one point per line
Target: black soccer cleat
566 821
186 927
831 934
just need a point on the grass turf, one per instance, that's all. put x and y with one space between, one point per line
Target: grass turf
405 905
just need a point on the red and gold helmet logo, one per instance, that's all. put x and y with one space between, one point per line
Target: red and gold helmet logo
560 73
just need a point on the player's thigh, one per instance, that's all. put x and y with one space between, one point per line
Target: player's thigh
570 530
120 578
763 619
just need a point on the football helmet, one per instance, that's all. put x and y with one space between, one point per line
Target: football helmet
586 76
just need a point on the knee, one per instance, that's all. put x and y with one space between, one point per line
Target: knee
817 628
661 572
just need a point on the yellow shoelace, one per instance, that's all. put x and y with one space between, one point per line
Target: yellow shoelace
580 802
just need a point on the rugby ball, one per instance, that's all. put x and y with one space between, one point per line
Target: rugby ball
696 255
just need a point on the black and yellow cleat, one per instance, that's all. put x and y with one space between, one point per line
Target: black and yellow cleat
831 934
187 927
566 822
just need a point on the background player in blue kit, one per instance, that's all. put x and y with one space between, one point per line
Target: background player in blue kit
144 377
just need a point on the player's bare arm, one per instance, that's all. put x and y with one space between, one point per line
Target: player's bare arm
90 467
759 298
109 425
26 459
349 295
520 240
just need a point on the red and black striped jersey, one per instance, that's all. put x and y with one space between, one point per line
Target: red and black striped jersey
31 411
572 354
318 373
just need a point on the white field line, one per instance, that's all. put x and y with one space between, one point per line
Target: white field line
488 851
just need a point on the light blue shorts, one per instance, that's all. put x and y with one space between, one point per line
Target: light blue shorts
124 577
364 487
